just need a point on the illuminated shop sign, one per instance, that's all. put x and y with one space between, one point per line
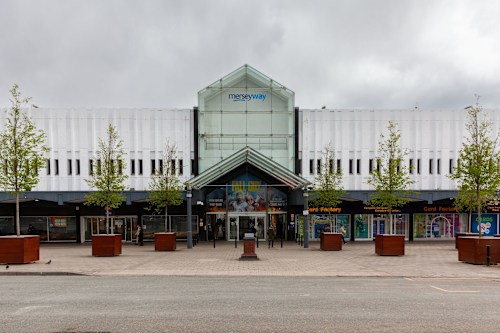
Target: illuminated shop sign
247 97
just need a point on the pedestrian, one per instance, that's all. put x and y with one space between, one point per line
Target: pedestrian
139 236
270 237
342 231
31 230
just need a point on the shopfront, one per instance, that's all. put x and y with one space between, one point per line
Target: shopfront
124 225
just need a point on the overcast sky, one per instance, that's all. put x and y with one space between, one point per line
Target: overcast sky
342 54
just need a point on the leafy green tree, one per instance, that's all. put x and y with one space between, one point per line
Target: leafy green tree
477 173
165 188
391 179
328 188
22 153
108 180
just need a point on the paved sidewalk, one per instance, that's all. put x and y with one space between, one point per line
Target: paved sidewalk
424 259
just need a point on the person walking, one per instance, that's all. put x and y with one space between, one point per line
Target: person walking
342 231
270 236
139 236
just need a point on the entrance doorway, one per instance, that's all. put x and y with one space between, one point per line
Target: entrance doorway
440 227
123 225
241 224
378 225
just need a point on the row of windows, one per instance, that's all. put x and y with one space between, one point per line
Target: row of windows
414 166
136 167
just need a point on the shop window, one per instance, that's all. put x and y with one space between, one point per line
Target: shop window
181 167
77 166
358 166
47 166
56 167
140 167
153 167
311 167
132 167
70 167
431 166
351 166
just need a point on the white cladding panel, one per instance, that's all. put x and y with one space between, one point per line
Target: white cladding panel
432 136
72 134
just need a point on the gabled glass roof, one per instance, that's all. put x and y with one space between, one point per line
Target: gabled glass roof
253 157
247 72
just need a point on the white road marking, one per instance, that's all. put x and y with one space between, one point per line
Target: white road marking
455 291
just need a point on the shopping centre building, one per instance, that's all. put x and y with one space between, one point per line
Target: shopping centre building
249 154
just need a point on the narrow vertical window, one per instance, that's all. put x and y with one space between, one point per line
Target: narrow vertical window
140 167
358 166
418 166
77 161
411 167
431 166
351 166
330 166
56 167
153 167
70 167
98 167
438 166
318 168
181 167
160 166
370 166
450 168
48 166
91 167
339 165
173 167
311 167
378 165
120 167
132 167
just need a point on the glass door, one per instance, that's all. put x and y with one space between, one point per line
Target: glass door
233 227
378 225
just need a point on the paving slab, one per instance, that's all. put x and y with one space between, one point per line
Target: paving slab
422 259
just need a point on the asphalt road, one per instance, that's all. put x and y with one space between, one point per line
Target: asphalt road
247 304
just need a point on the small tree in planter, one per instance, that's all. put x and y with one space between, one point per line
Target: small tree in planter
328 188
165 188
108 177
391 178
22 153
477 173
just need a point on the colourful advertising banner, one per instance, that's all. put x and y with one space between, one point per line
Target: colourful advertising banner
246 193
488 224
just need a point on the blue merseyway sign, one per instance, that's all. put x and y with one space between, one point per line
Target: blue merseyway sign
247 97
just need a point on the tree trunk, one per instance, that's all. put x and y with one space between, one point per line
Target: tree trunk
479 217
167 229
108 226
18 222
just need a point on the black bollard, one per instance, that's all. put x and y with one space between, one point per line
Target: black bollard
257 238
487 255
214 242
235 242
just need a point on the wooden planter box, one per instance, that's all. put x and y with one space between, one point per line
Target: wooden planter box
390 245
19 250
463 234
165 241
106 245
330 241
472 249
